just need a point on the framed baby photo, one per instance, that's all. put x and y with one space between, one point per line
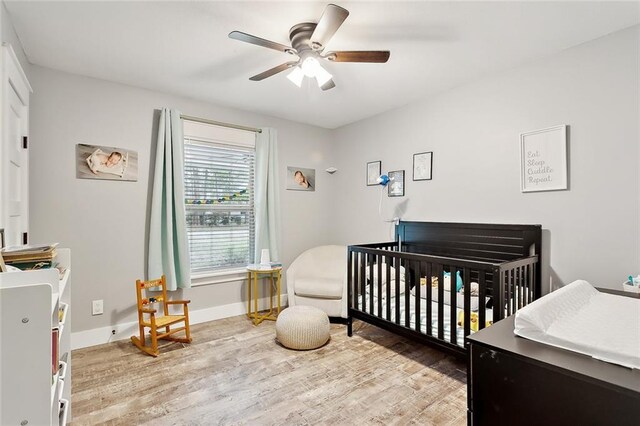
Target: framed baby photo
106 163
396 183
301 179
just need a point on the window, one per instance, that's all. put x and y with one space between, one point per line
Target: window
219 183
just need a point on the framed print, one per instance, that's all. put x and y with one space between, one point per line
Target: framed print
396 183
374 169
106 162
422 164
301 179
543 159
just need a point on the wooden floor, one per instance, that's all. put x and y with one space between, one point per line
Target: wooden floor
235 373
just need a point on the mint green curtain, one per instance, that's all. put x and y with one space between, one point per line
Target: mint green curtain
267 195
168 245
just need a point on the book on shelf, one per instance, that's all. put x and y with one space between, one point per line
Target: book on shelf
30 257
28 249
31 265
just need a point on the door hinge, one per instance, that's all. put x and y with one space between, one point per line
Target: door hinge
25 238
25 142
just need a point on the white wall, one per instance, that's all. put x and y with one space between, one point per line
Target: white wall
104 222
591 231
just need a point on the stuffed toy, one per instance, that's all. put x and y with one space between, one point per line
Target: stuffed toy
434 282
475 321
446 281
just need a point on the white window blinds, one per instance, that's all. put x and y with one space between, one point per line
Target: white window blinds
219 182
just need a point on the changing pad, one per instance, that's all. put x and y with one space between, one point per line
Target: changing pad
579 318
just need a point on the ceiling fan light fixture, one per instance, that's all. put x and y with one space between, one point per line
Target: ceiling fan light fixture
322 76
296 76
308 41
310 66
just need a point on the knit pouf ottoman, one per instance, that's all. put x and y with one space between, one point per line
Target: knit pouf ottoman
302 328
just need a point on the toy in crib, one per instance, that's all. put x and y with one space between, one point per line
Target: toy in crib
447 282
475 321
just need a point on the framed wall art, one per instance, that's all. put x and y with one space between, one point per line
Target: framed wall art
374 169
105 162
422 165
396 183
301 179
543 160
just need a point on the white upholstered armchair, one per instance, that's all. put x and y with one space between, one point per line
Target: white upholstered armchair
318 277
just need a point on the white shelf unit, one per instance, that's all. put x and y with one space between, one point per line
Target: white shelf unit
29 301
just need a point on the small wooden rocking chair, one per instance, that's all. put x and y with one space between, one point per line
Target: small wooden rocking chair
154 322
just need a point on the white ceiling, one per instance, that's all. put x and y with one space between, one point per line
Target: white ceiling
183 48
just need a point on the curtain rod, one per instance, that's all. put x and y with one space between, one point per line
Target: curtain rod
219 123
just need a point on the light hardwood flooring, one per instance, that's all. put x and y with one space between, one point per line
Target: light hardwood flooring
235 373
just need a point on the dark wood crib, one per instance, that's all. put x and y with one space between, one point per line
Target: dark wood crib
393 284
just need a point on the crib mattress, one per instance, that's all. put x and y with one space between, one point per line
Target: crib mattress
459 330
581 319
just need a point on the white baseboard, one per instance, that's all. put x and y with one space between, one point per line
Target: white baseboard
98 336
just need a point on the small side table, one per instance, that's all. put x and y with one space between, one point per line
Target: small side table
254 273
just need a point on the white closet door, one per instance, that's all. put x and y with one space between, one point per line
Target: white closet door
15 159
17 171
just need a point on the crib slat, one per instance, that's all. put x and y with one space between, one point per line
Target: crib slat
498 294
398 301
525 285
509 282
356 283
516 296
379 261
350 276
466 278
514 290
363 280
535 280
520 285
530 288
371 283
407 297
388 289
482 299
440 302
429 298
453 305
416 286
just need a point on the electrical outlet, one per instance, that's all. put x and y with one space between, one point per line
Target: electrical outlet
97 307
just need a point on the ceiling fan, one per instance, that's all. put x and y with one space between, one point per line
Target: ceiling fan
307 42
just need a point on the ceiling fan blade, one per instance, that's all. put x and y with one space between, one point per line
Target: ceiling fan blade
378 56
328 85
248 38
331 19
273 71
